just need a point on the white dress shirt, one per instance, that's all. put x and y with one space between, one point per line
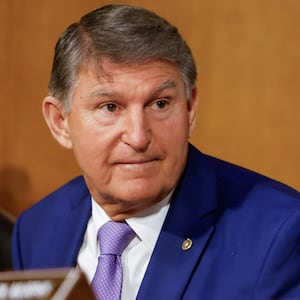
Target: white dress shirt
136 256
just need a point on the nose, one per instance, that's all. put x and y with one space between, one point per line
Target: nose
136 130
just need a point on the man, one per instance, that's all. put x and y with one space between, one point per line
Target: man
122 95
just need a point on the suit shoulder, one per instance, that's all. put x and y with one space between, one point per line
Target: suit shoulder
61 200
236 182
236 175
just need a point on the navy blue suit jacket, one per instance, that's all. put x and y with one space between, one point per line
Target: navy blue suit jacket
245 230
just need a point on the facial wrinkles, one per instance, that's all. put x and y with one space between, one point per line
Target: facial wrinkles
129 84
122 177
134 102
137 133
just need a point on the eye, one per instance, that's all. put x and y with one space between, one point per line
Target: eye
160 104
110 107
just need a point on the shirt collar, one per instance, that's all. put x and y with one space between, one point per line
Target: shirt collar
146 224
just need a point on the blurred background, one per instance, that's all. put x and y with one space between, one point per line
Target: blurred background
248 58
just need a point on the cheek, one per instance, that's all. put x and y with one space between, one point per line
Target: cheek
83 134
93 148
177 128
174 140
177 137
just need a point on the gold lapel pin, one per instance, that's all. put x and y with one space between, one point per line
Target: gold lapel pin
187 244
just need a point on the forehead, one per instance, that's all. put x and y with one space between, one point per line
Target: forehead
148 73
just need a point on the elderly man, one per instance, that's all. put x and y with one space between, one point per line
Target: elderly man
122 95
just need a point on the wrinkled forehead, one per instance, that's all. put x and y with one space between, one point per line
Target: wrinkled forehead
130 80
153 76
104 69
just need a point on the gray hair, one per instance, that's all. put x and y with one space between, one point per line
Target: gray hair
124 34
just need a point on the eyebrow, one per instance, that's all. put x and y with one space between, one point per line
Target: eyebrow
165 85
100 93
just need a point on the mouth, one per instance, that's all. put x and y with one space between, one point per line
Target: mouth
136 161
132 164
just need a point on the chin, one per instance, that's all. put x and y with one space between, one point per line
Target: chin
139 197
148 196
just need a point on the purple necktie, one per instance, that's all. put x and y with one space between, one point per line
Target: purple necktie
113 238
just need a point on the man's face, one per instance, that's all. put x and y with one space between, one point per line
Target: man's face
129 130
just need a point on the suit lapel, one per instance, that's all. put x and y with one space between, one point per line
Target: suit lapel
68 232
191 216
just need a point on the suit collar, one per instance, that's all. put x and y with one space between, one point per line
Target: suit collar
191 215
69 228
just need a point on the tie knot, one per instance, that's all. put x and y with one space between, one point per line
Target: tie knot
114 237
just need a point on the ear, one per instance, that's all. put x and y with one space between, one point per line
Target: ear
57 121
192 109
